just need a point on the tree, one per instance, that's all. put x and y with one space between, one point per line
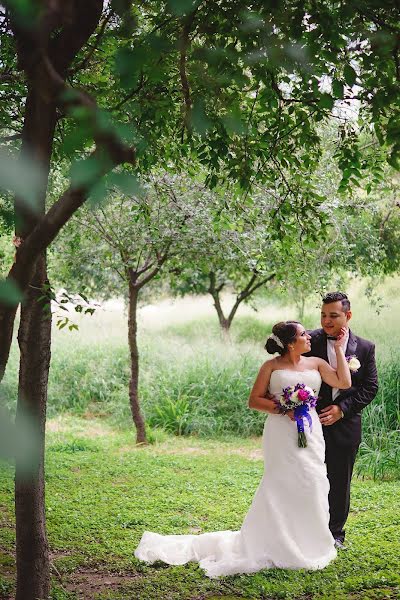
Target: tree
362 227
46 48
248 249
227 259
271 60
123 246
376 235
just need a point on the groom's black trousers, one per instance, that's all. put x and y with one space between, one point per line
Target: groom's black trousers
339 464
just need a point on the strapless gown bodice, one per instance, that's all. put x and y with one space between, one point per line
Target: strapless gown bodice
281 378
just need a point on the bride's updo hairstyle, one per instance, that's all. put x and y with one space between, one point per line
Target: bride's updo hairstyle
283 334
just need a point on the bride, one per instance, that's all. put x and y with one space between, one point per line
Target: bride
287 524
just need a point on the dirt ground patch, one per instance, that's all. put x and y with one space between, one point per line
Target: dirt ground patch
85 428
88 583
6 519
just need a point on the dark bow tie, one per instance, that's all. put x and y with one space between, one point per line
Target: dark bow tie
331 337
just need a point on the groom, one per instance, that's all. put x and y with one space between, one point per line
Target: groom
340 410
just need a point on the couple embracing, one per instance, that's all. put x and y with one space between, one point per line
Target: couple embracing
314 392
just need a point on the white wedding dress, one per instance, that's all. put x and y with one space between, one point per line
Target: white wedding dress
287 524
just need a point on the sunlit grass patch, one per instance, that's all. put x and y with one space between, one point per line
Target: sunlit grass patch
104 493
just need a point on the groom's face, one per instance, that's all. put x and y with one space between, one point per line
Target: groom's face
333 318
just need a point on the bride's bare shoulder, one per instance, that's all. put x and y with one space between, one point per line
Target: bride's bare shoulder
270 365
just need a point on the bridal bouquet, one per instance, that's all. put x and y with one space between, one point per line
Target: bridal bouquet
299 398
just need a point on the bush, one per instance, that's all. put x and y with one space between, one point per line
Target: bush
172 415
379 453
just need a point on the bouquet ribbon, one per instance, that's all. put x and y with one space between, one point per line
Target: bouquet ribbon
301 412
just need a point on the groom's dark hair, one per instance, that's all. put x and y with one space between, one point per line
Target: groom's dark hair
336 297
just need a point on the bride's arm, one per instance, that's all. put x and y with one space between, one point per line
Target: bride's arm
341 378
257 399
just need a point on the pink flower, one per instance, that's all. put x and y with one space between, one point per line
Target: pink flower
302 395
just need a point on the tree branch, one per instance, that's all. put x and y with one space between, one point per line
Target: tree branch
386 218
184 44
85 61
276 142
10 138
75 32
248 291
131 94
155 271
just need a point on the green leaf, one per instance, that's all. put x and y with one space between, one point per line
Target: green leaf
234 124
199 119
337 89
350 75
25 11
99 192
126 133
104 120
127 182
10 294
23 177
181 7
128 63
326 101
75 139
85 172
121 6
394 158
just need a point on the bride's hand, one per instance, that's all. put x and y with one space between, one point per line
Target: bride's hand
274 403
341 339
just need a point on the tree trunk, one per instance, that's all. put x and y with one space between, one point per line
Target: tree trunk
134 355
224 323
251 287
44 54
225 329
34 338
33 574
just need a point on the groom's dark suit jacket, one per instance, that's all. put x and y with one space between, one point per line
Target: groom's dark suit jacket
347 431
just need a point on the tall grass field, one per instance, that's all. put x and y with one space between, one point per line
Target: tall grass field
192 382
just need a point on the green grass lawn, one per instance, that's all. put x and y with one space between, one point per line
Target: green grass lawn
102 492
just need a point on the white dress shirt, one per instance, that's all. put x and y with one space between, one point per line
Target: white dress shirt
330 346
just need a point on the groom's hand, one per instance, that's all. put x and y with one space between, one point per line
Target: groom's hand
290 414
330 414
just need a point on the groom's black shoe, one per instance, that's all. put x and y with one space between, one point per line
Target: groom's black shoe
339 545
